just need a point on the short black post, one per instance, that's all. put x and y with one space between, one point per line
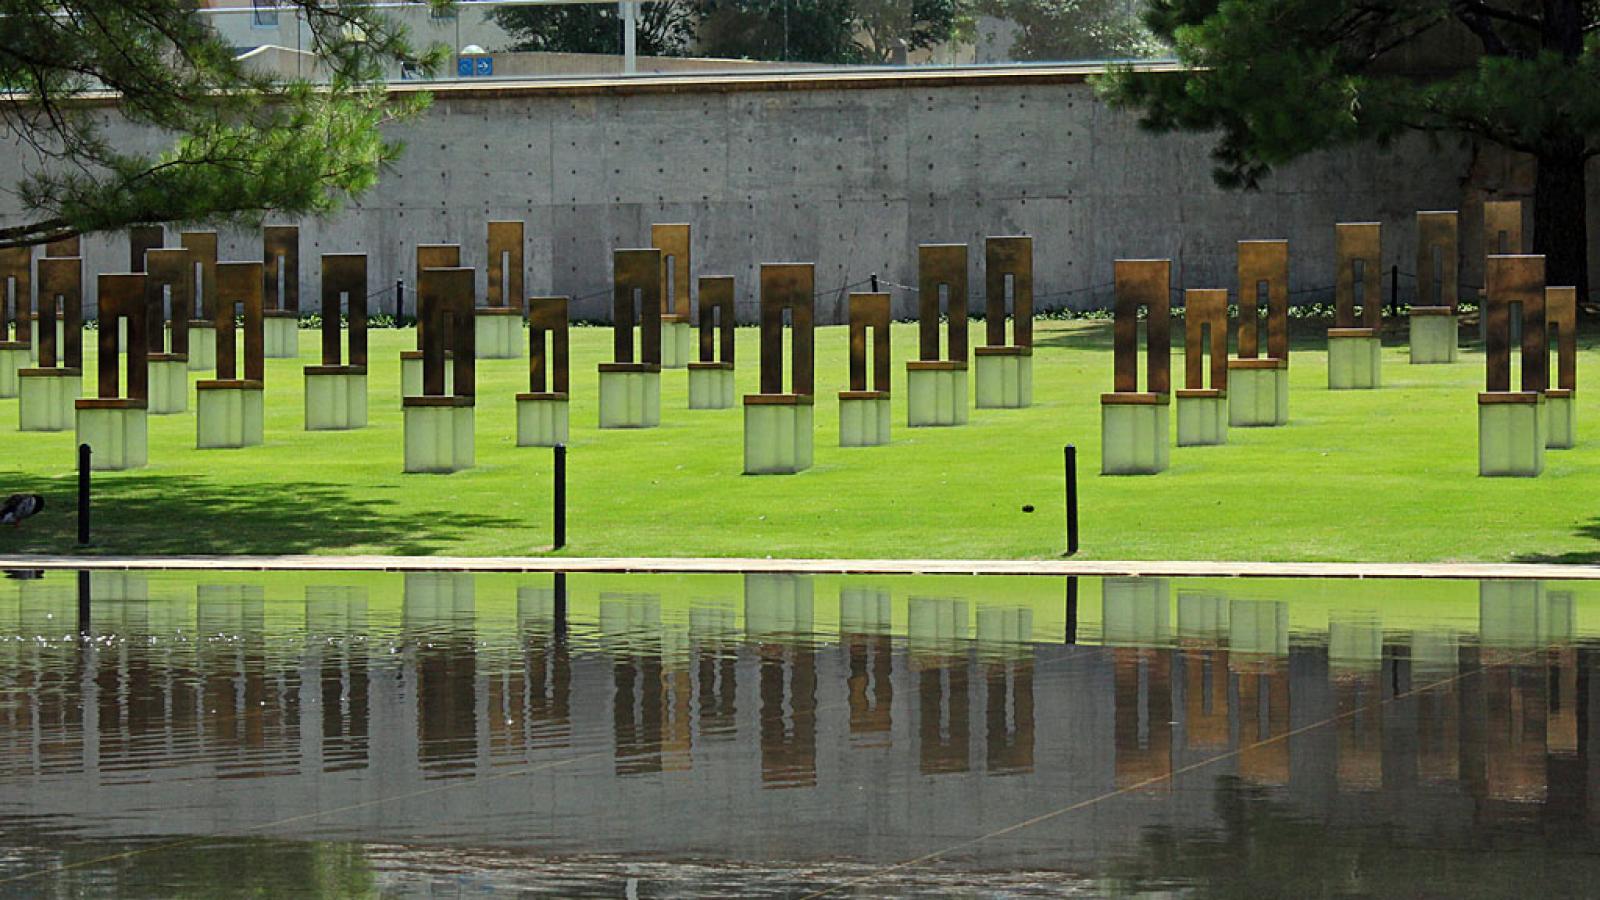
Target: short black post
874 282
1394 291
84 452
399 300
1071 636
84 603
1072 499
560 498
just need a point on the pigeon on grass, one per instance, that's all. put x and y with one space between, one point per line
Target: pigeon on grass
18 507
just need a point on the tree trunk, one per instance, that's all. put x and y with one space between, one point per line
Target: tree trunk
1560 226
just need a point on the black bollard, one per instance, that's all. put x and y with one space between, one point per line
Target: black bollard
1394 291
399 301
560 497
875 282
84 453
1072 498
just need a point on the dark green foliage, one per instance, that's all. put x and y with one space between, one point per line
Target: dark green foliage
665 28
921 24
1072 29
815 31
242 142
1276 79
811 31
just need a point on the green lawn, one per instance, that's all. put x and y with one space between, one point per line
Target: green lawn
1360 475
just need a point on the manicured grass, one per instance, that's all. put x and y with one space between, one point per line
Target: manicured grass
1359 475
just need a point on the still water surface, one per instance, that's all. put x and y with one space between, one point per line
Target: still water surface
331 734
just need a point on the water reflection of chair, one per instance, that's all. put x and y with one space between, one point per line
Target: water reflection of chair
1258 639
546 709
1142 692
338 611
41 716
788 715
1136 612
779 614
439 612
778 605
1517 620
1434 664
1202 633
651 704
1515 722
1529 688
944 714
1004 643
1517 616
713 629
1355 665
1009 716
636 713
864 626
938 629
245 713
1264 722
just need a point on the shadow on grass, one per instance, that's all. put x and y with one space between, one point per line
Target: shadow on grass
156 515
1589 531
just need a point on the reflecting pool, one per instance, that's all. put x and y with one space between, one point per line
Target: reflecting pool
350 734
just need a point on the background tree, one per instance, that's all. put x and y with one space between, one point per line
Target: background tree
664 28
1276 79
242 142
1054 30
922 24
814 31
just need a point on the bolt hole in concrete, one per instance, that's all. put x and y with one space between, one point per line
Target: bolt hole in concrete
336 733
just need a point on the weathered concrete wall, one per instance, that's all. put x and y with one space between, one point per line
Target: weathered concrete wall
853 175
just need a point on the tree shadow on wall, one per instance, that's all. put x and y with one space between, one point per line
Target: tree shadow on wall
156 515
1589 531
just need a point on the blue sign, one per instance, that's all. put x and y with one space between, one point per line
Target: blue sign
474 66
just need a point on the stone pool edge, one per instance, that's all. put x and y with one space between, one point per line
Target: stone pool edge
736 565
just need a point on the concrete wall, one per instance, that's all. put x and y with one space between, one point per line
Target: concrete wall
852 173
